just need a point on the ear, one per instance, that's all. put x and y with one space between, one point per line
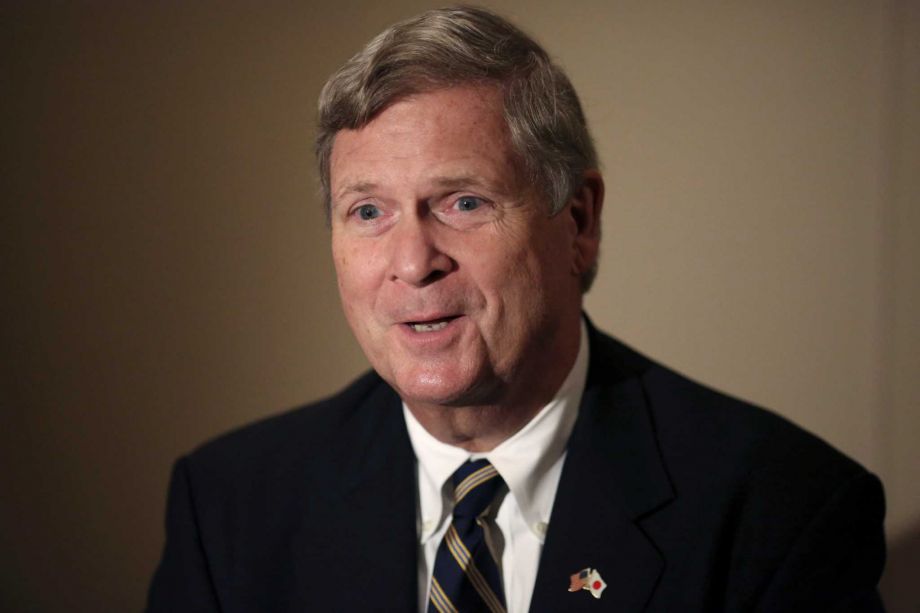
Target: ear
585 208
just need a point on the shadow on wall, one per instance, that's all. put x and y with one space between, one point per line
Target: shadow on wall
899 585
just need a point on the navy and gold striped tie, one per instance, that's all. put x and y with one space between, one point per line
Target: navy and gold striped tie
466 578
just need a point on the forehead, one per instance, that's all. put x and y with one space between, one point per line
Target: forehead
457 131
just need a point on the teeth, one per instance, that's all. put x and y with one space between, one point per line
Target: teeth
429 327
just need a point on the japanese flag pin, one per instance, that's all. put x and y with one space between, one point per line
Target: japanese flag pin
588 579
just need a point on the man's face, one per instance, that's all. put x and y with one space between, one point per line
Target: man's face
458 285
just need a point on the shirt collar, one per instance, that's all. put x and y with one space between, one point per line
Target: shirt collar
528 461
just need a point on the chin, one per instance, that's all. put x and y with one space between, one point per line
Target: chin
431 392
445 389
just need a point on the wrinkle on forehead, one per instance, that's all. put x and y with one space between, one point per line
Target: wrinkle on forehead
468 132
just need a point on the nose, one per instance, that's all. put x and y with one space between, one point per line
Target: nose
416 259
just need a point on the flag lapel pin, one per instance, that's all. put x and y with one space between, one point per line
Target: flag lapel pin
588 579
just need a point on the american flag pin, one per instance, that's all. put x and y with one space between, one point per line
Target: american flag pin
588 579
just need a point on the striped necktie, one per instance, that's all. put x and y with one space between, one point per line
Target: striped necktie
466 578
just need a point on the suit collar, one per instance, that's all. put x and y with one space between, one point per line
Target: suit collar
613 477
371 520
617 422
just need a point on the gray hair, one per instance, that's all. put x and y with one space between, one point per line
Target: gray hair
461 45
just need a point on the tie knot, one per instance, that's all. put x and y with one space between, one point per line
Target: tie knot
475 486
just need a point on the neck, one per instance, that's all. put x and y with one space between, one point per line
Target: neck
474 428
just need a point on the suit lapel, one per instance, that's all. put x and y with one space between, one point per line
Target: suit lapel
613 477
372 547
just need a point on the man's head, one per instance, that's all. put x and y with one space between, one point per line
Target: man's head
461 45
464 203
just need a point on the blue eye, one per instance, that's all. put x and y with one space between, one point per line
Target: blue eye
367 212
468 203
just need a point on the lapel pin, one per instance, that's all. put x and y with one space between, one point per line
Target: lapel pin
587 579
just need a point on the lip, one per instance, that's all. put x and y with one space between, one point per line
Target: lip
424 318
431 340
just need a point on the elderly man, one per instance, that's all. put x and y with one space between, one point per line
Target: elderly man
503 454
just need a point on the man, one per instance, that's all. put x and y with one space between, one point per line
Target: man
504 454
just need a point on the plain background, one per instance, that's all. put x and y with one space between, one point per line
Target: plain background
166 272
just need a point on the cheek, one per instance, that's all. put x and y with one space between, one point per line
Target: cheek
354 293
511 276
359 272
555 251
537 275
349 279
348 259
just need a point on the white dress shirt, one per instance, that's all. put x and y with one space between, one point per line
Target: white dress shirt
530 462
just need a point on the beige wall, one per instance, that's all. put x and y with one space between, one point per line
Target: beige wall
166 271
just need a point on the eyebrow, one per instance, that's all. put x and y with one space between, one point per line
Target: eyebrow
446 182
459 181
361 187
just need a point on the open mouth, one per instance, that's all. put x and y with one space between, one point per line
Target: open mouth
432 325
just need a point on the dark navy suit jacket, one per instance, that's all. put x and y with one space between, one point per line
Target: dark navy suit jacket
684 499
